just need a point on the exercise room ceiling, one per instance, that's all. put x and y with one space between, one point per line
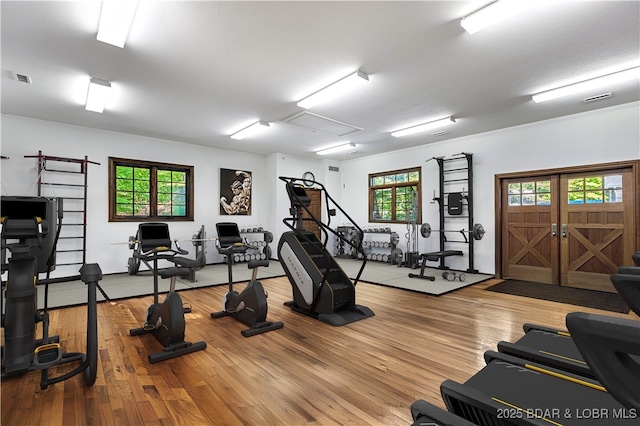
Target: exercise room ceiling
198 71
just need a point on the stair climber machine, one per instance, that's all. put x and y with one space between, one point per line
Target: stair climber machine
30 234
165 320
321 289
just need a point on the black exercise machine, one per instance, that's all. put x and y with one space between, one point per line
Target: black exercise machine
199 241
555 347
165 320
250 306
31 221
321 289
425 413
513 390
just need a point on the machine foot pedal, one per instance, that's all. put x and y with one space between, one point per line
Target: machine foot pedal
46 356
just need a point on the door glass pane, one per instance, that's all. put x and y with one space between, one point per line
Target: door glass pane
528 199
544 199
528 187
576 184
514 188
543 186
593 182
576 197
514 200
613 189
593 197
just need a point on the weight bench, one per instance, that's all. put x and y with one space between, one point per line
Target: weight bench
435 256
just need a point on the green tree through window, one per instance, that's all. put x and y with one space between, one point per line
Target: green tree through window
395 196
142 190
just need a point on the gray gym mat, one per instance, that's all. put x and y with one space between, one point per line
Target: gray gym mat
398 277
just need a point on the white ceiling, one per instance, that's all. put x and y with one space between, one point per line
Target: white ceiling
198 71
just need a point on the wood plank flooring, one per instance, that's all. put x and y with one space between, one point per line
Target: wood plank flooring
368 372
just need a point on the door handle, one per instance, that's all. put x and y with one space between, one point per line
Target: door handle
554 229
564 230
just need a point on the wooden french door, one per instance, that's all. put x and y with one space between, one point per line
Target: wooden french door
569 229
316 209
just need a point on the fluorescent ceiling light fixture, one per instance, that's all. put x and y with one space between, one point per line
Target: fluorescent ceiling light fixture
423 127
592 84
97 95
115 21
339 148
355 79
487 15
250 130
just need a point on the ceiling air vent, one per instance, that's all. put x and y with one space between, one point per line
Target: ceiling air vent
597 97
440 133
23 78
334 169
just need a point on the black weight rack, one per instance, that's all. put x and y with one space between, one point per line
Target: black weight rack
456 179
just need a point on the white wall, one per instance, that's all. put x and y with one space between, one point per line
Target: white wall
607 135
25 136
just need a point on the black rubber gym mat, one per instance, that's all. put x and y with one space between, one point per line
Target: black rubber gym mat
573 296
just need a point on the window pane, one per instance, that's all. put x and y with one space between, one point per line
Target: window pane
141 198
402 177
179 188
124 209
124 197
179 210
594 182
543 186
528 187
514 200
124 172
141 210
178 199
576 198
142 173
514 188
164 175
164 187
164 209
543 199
377 180
124 185
613 196
390 179
613 182
178 176
141 186
414 176
528 199
576 184
593 197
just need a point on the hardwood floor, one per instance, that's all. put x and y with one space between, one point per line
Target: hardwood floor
368 372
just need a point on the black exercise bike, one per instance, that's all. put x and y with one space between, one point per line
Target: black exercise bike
249 306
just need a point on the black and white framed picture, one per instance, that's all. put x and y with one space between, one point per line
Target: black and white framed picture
235 192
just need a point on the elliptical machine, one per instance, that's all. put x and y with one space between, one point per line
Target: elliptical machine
30 220
250 306
165 320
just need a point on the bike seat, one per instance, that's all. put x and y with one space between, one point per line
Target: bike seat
173 272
